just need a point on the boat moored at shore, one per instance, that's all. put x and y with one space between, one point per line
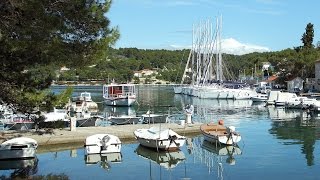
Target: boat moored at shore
102 143
18 148
218 133
159 139
119 94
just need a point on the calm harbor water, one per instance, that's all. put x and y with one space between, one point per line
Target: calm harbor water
276 144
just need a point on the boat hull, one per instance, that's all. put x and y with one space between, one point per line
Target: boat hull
19 126
23 153
97 149
124 101
158 139
102 143
123 120
177 89
215 133
154 118
162 145
89 122
234 139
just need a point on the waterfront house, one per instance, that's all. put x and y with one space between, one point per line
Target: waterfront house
295 84
145 72
271 81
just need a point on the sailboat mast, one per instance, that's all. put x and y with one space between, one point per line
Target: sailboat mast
217 50
189 57
220 55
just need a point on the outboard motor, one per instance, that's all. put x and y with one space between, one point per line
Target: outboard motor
231 129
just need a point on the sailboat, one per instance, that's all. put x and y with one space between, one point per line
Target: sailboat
200 78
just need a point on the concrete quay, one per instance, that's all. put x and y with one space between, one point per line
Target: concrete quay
79 134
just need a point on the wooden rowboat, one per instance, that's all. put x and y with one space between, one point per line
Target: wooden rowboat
218 133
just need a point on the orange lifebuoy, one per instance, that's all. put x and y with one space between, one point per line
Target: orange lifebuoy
220 122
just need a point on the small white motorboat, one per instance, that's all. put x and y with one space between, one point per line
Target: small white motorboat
102 143
218 133
18 122
81 103
18 148
259 97
160 139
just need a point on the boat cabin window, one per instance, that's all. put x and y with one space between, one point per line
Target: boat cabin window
115 90
19 146
129 89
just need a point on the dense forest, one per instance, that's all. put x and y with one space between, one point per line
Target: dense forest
121 63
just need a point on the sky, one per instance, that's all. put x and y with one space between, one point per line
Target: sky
247 25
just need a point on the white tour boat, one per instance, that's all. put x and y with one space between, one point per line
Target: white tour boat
119 94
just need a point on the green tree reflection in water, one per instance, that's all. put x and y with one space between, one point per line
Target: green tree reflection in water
301 130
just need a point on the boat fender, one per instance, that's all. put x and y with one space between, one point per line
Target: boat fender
220 122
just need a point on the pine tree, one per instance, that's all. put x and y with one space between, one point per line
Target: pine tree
307 37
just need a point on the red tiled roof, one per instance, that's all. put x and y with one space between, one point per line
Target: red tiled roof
272 78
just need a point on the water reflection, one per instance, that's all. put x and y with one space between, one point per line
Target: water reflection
165 159
272 137
103 160
119 111
213 104
212 109
298 131
19 168
295 127
284 114
214 156
221 150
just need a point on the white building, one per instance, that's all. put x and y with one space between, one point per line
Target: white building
145 72
295 85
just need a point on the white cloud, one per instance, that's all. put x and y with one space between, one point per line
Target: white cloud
232 46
